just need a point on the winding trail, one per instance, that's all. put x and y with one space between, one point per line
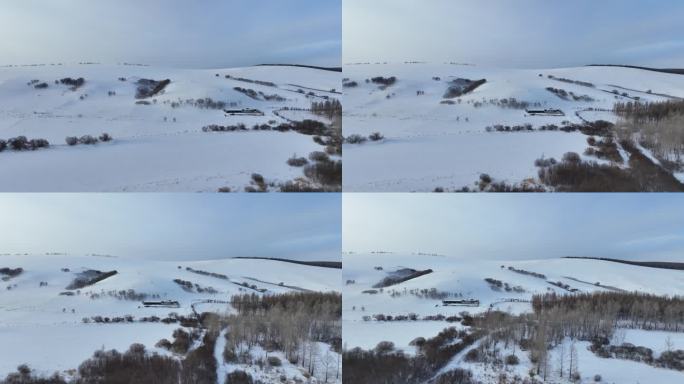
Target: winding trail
221 371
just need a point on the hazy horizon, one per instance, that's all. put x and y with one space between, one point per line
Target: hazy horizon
516 34
172 33
173 226
639 227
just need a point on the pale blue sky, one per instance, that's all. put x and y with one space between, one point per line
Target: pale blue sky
201 34
173 226
519 33
518 226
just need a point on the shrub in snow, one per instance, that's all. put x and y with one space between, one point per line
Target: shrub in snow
386 81
229 355
512 360
297 161
472 356
319 156
74 84
163 343
239 377
38 143
456 376
597 378
257 178
105 137
182 341
355 139
274 361
87 139
376 136
71 140
384 347
572 157
18 143
21 143
325 172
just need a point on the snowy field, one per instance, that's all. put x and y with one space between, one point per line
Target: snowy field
430 145
46 330
158 146
464 278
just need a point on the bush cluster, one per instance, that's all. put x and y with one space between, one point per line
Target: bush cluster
87 139
21 143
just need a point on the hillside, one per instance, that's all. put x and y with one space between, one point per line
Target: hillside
155 117
438 133
53 328
414 308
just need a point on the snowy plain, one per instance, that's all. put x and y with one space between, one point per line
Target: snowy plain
155 147
46 330
429 145
464 278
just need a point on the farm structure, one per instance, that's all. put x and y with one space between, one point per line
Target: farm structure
162 304
544 112
243 112
462 302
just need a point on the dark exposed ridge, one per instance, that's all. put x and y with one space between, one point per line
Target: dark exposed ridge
400 276
649 264
331 69
674 71
322 264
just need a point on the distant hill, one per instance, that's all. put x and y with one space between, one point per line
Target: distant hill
649 264
331 69
674 71
323 264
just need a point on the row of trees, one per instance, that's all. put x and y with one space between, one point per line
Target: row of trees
558 321
658 126
386 365
648 111
328 108
292 323
633 310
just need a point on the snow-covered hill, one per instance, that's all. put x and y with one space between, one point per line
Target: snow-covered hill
429 144
158 143
42 322
457 278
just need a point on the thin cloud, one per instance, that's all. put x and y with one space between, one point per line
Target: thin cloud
637 227
206 34
524 33
173 226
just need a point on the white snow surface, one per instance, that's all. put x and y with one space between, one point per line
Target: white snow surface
326 360
429 145
38 323
465 276
148 153
612 371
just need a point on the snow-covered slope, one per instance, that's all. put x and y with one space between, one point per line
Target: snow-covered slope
156 147
46 330
464 278
428 144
